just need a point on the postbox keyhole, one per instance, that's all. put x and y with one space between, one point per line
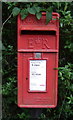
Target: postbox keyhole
26 78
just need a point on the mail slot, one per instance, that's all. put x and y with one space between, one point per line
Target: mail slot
38 48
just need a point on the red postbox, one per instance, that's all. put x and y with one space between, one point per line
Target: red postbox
38 46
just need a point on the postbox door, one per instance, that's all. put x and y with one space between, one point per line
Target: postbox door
40 96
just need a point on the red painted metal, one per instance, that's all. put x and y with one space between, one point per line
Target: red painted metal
34 36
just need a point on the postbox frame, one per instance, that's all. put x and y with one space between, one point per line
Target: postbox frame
21 53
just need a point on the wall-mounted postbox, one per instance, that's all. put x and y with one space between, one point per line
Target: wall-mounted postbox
38 46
